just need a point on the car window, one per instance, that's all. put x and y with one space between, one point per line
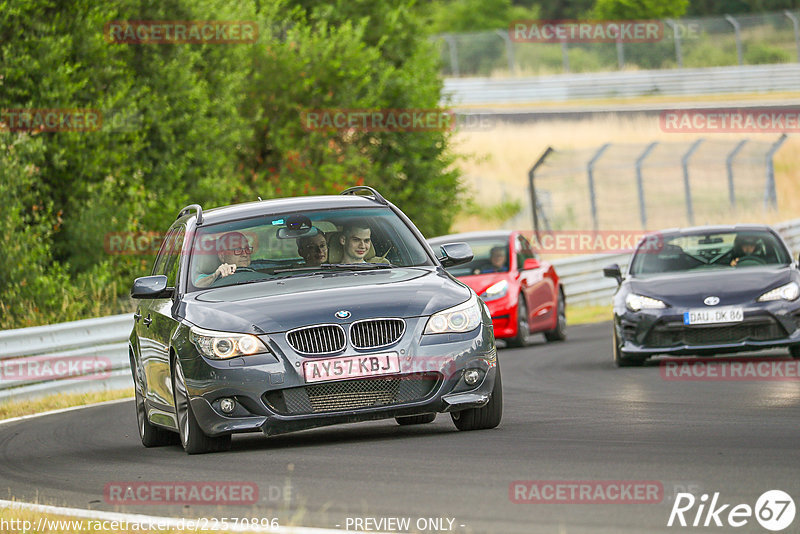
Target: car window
159 266
482 249
709 250
524 251
296 244
172 264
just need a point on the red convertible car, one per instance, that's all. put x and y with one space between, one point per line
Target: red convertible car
523 292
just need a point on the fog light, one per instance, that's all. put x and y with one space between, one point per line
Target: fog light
227 405
471 376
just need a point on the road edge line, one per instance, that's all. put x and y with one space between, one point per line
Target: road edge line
61 410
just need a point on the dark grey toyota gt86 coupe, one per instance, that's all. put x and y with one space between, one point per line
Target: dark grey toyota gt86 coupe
294 313
706 290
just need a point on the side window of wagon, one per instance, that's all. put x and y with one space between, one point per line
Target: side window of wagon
172 264
163 252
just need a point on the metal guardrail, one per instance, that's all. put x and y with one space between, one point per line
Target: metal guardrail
97 349
74 357
677 82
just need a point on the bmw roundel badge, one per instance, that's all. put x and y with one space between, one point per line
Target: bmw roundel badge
342 314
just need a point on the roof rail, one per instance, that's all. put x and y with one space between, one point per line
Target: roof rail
191 207
377 196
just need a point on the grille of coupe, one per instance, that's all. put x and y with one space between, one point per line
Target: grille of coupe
376 333
352 394
320 339
754 330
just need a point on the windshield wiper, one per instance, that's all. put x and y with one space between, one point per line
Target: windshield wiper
336 267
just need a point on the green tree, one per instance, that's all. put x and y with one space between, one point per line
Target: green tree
639 9
320 59
207 123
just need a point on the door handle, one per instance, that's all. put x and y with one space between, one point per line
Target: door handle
147 320
137 316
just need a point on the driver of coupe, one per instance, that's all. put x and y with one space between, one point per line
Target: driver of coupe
743 245
233 250
356 240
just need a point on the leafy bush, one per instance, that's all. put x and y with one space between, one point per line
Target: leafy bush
759 53
212 124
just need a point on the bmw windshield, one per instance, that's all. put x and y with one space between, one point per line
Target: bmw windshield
295 244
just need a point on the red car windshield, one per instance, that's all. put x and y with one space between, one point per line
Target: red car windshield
490 256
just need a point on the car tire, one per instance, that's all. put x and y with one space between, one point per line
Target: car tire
620 358
486 417
522 338
193 439
794 350
151 435
415 419
559 333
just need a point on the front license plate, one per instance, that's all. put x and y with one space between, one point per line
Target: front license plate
351 367
708 316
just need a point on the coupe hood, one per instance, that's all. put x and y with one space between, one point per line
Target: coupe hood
481 282
280 305
734 286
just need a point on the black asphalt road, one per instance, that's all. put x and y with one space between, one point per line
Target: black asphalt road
569 415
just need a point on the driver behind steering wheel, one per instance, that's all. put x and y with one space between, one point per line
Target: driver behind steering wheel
234 251
743 245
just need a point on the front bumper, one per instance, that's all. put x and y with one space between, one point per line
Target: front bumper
272 396
764 326
504 317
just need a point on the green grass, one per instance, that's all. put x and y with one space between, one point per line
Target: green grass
59 401
584 314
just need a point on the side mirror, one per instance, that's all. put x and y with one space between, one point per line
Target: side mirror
612 271
455 254
151 287
531 263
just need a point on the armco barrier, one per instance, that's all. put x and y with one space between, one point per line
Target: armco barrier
626 84
103 340
106 339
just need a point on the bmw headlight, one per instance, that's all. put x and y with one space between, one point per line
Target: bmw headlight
461 318
495 291
789 292
636 302
225 345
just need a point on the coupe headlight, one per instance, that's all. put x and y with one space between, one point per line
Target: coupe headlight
225 345
461 318
495 291
789 292
636 302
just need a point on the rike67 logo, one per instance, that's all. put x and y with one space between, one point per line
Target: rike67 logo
774 510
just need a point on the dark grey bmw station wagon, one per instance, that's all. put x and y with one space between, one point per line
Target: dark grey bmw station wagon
295 313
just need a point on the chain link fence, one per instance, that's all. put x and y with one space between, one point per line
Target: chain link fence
767 38
651 185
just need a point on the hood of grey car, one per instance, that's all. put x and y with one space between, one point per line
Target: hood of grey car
732 286
281 305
